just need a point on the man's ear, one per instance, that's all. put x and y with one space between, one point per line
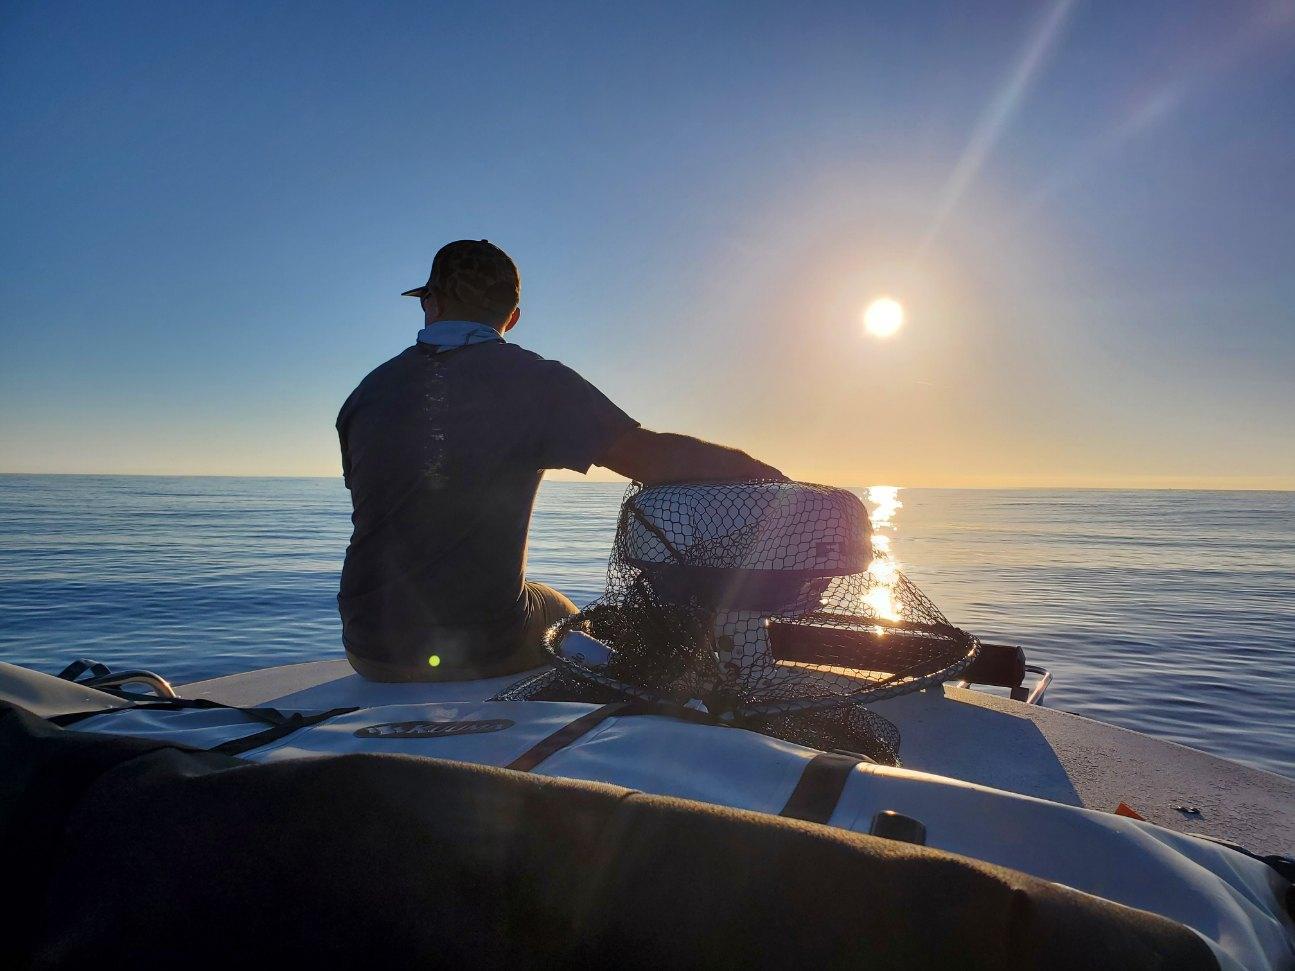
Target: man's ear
431 306
515 316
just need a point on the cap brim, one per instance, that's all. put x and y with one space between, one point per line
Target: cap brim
416 292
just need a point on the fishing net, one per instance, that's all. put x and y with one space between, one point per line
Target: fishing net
760 603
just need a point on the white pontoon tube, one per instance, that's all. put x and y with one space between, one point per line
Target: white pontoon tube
1230 899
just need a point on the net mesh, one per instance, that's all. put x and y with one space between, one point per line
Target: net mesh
762 603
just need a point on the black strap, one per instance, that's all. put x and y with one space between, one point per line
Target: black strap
567 734
587 722
281 724
268 715
819 790
81 666
287 726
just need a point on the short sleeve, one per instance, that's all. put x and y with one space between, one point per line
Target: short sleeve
579 423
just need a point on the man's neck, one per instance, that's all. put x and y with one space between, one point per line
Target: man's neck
428 322
447 334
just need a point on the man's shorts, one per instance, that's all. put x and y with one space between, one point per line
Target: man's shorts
544 608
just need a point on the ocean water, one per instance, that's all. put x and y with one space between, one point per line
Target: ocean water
1172 613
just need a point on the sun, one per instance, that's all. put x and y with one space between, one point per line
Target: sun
883 317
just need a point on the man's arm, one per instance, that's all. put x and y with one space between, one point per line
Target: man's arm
655 457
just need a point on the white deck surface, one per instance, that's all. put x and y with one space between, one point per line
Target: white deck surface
962 734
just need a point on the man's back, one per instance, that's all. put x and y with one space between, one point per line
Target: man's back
443 451
443 448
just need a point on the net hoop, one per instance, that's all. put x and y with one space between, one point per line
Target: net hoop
755 601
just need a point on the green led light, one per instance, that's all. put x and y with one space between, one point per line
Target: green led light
434 660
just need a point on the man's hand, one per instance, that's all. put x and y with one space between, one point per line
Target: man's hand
653 458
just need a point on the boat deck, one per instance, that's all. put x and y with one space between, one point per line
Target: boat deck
960 733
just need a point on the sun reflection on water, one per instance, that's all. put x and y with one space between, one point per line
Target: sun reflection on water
883 569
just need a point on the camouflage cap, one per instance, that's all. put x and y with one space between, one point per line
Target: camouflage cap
476 273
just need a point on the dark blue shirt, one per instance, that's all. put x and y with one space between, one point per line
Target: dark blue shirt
443 451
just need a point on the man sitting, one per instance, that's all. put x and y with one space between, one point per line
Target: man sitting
443 449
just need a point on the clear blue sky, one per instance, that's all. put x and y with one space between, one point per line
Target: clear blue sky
1087 210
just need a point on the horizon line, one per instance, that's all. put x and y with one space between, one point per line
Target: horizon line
620 482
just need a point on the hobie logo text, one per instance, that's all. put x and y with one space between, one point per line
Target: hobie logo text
431 729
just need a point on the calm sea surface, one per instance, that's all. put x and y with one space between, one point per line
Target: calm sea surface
1172 613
